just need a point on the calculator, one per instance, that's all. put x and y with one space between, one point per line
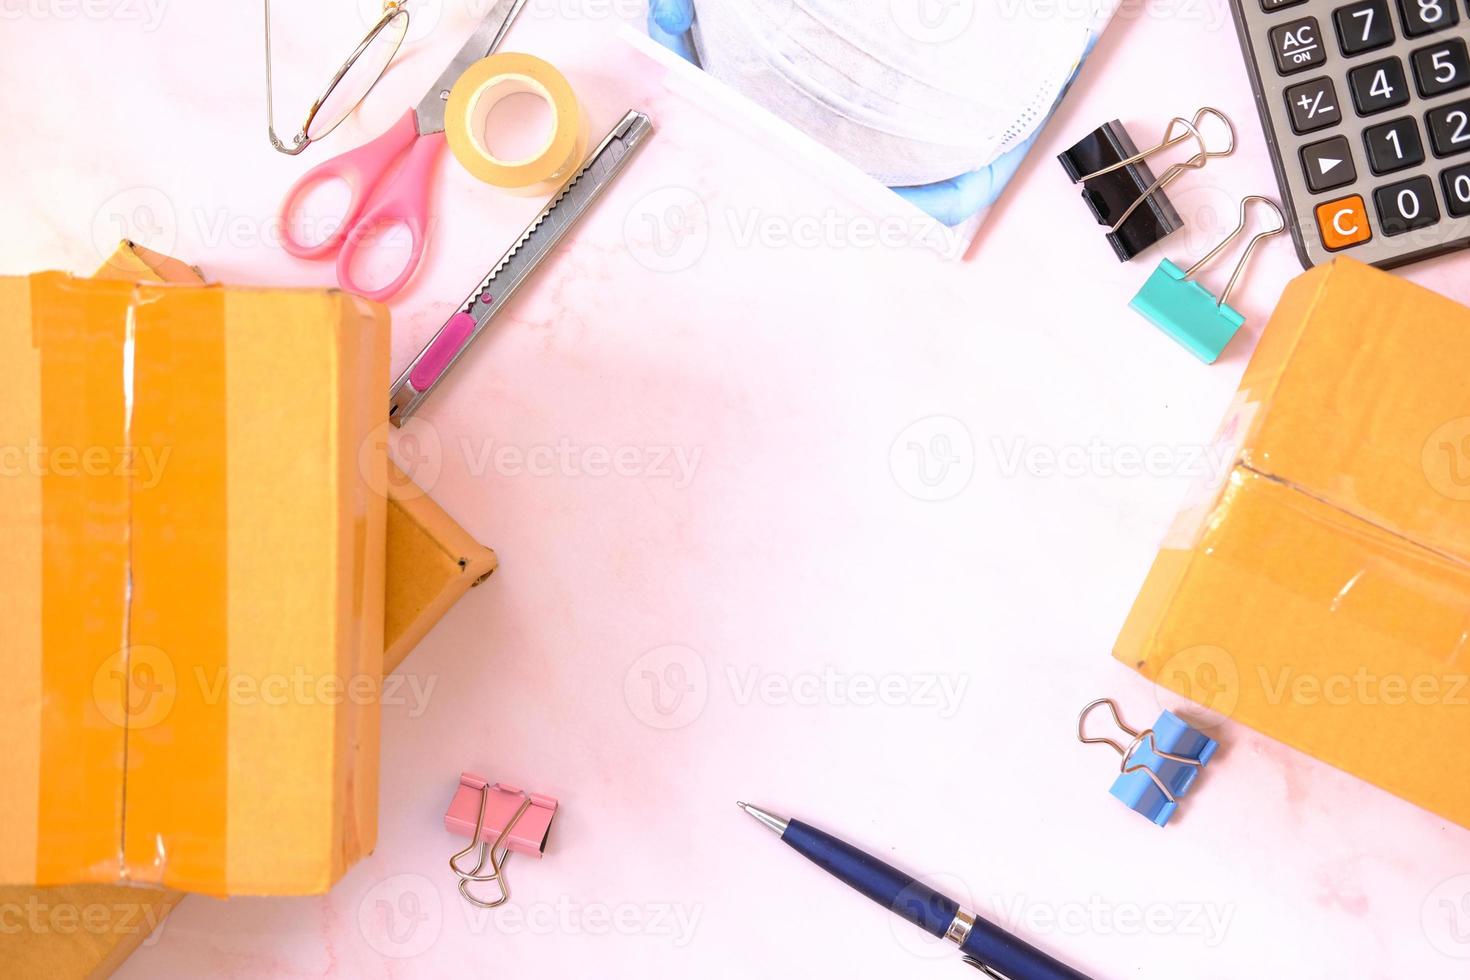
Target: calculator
1366 106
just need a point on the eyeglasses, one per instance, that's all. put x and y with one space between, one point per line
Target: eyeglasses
353 81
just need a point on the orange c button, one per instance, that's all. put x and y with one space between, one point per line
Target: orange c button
1343 222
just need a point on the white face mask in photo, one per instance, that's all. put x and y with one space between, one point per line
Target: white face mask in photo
911 91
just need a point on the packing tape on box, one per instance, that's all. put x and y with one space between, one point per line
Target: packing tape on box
483 85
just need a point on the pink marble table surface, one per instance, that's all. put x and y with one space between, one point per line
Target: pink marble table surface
726 572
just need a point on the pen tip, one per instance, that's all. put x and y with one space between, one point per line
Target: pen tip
772 821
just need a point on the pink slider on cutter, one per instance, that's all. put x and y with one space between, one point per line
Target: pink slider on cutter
497 818
572 201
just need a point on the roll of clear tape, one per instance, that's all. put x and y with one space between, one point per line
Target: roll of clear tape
483 86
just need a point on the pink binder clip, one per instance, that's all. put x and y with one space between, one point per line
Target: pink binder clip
499 818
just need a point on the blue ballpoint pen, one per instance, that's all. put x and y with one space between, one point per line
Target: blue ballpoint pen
983 944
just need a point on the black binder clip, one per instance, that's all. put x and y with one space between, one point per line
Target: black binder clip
1121 190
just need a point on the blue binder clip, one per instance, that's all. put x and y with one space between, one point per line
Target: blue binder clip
1159 765
1178 305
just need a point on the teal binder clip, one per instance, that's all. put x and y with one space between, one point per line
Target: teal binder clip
1178 305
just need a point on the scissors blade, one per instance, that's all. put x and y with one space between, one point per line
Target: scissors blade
487 37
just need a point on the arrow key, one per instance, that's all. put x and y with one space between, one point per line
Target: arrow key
1328 163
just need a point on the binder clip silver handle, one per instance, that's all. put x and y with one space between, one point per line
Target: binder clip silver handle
1191 129
488 854
1140 739
1244 256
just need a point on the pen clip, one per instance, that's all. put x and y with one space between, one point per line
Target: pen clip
985 969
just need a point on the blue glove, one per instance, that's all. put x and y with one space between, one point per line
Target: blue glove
668 24
951 201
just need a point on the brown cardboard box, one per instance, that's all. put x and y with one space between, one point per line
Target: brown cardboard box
1321 594
432 561
194 615
87 931
77 932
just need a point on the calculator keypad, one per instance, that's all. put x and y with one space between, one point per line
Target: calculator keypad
1343 223
1406 206
1422 17
1393 146
1371 124
1449 128
1456 185
1363 26
1379 86
1297 45
1328 164
1441 68
1313 105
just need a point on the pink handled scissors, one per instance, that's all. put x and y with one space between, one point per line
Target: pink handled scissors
376 202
